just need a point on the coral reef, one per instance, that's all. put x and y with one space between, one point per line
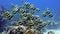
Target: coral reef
2 19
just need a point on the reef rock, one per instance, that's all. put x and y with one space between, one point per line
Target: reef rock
50 32
29 32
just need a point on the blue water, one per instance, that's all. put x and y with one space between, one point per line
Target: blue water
54 6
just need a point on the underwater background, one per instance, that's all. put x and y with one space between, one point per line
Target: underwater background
53 5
